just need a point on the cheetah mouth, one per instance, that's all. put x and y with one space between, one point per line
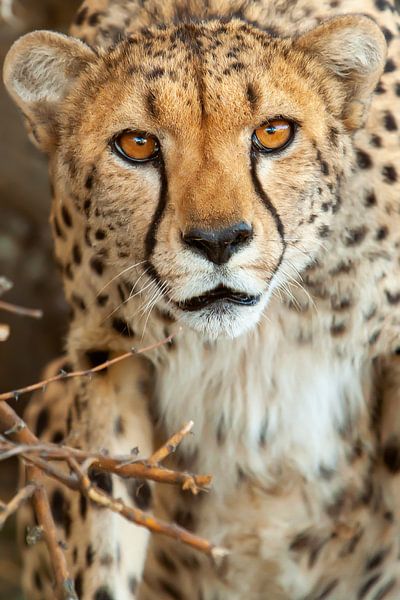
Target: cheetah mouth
219 294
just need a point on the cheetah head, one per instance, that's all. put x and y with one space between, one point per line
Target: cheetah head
210 155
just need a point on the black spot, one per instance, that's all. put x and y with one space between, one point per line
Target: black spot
78 585
140 493
251 95
355 236
121 292
119 426
389 66
381 233
81 16
351 545
340 303
238 66
86 206
170 589
57 228
42 422
75 555
90 178
101 480
102 299
392 298
89 555
87 237
333 135
388 516
363 159
374 337
324 231
338 329
132 584
97 265
376 559
391 455
83 504
122 327
151 104
389 174
94 18
60 510
380 88
78 301
389 121
57 437
76 254
397 88
103 593
388 34
370 199
166 561
376 141
324 167
68 271
365 588
184 518
97 357
38 580
190 562
100 234
66 216
156 73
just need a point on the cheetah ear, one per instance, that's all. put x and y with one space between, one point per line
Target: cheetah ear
354 49
39 70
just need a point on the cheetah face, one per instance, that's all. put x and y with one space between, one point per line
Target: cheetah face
164 143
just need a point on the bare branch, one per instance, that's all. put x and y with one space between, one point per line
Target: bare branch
41 384
35 313
170 445
6 510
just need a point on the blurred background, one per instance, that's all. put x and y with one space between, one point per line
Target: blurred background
25 253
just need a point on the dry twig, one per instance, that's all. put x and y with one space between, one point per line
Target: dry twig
6 510
15 394
35 313
81 482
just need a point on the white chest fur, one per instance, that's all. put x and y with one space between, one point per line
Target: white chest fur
263 398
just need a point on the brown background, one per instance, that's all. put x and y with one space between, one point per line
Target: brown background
25 258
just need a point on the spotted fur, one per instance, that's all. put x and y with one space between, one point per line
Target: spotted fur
294 399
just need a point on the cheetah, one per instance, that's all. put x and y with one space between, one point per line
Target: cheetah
226 171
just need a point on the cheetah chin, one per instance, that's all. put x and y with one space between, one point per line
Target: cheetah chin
221 312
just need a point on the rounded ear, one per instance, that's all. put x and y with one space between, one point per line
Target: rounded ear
354 49
39 70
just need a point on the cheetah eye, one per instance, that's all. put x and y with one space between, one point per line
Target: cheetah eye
274 135
136 146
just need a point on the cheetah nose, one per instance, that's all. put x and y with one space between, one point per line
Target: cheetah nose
218 245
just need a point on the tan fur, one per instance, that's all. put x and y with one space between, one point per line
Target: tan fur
294 399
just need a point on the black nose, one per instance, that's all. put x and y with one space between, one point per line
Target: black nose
218 245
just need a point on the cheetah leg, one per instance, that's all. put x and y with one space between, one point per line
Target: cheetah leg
105 553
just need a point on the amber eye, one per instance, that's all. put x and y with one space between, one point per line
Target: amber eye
274 135
136 146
